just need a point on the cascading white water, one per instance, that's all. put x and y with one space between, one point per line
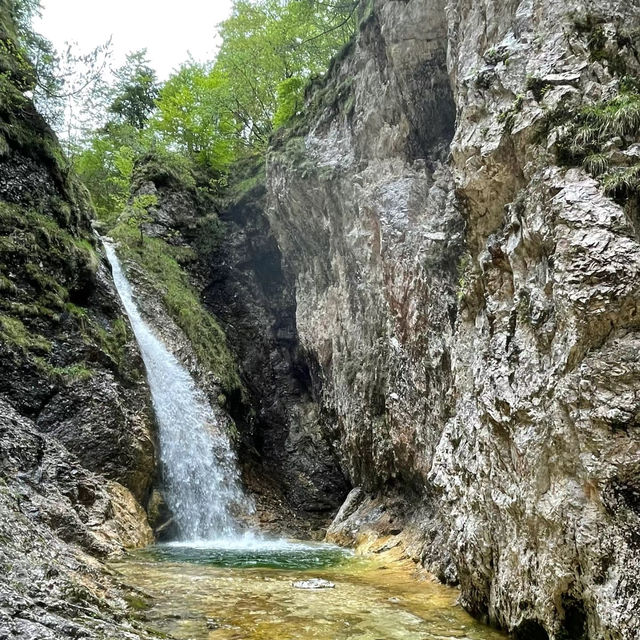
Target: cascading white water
200 474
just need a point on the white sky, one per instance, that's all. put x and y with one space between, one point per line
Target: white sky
169 30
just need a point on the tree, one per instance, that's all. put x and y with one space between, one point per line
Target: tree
193 116
135 90
268 43
65 85
138 213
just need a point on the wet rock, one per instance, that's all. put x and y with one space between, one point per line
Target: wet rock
109 434
53 514
313 583
287 461
76 437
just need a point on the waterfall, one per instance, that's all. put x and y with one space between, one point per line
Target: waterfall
200 474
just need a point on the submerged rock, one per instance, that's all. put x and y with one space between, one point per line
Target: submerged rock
313 583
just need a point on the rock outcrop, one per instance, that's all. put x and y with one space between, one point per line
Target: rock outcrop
469 292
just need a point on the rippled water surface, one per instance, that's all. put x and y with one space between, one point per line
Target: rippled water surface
227 591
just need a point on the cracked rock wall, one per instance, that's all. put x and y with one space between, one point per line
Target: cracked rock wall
472 303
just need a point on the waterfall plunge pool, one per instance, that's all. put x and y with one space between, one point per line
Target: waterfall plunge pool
249 552
244 591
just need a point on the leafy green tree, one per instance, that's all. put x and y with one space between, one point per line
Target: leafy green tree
193 116
290 98
138 213
106 166
135 91
268 43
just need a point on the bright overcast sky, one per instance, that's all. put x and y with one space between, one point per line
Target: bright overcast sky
168 30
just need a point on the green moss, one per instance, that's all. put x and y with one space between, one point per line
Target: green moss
165 169
508 116
247 175
24 130
136 602
13 59
41 264
114 342
161 263
72 372
14 332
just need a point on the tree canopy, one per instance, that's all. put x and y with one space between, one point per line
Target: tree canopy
212 113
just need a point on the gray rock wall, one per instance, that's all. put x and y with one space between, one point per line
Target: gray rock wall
472 303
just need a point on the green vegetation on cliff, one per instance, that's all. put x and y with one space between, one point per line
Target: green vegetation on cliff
48 261
602 136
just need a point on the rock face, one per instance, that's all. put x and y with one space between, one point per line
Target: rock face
283 435
77 452
288 462
471 302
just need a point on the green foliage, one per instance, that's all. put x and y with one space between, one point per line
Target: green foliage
138 213
508 116
622 183
585 133
106 166
590 128
165 169
290 95
538 87
13 331
268 42
194 117
596 163
135 91
214 114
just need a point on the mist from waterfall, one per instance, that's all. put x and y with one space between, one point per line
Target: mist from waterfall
199 468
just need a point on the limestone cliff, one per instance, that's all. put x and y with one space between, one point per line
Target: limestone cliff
76 439
458 209
259 383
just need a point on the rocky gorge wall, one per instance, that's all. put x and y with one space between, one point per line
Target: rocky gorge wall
261 389
467 285
77 453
